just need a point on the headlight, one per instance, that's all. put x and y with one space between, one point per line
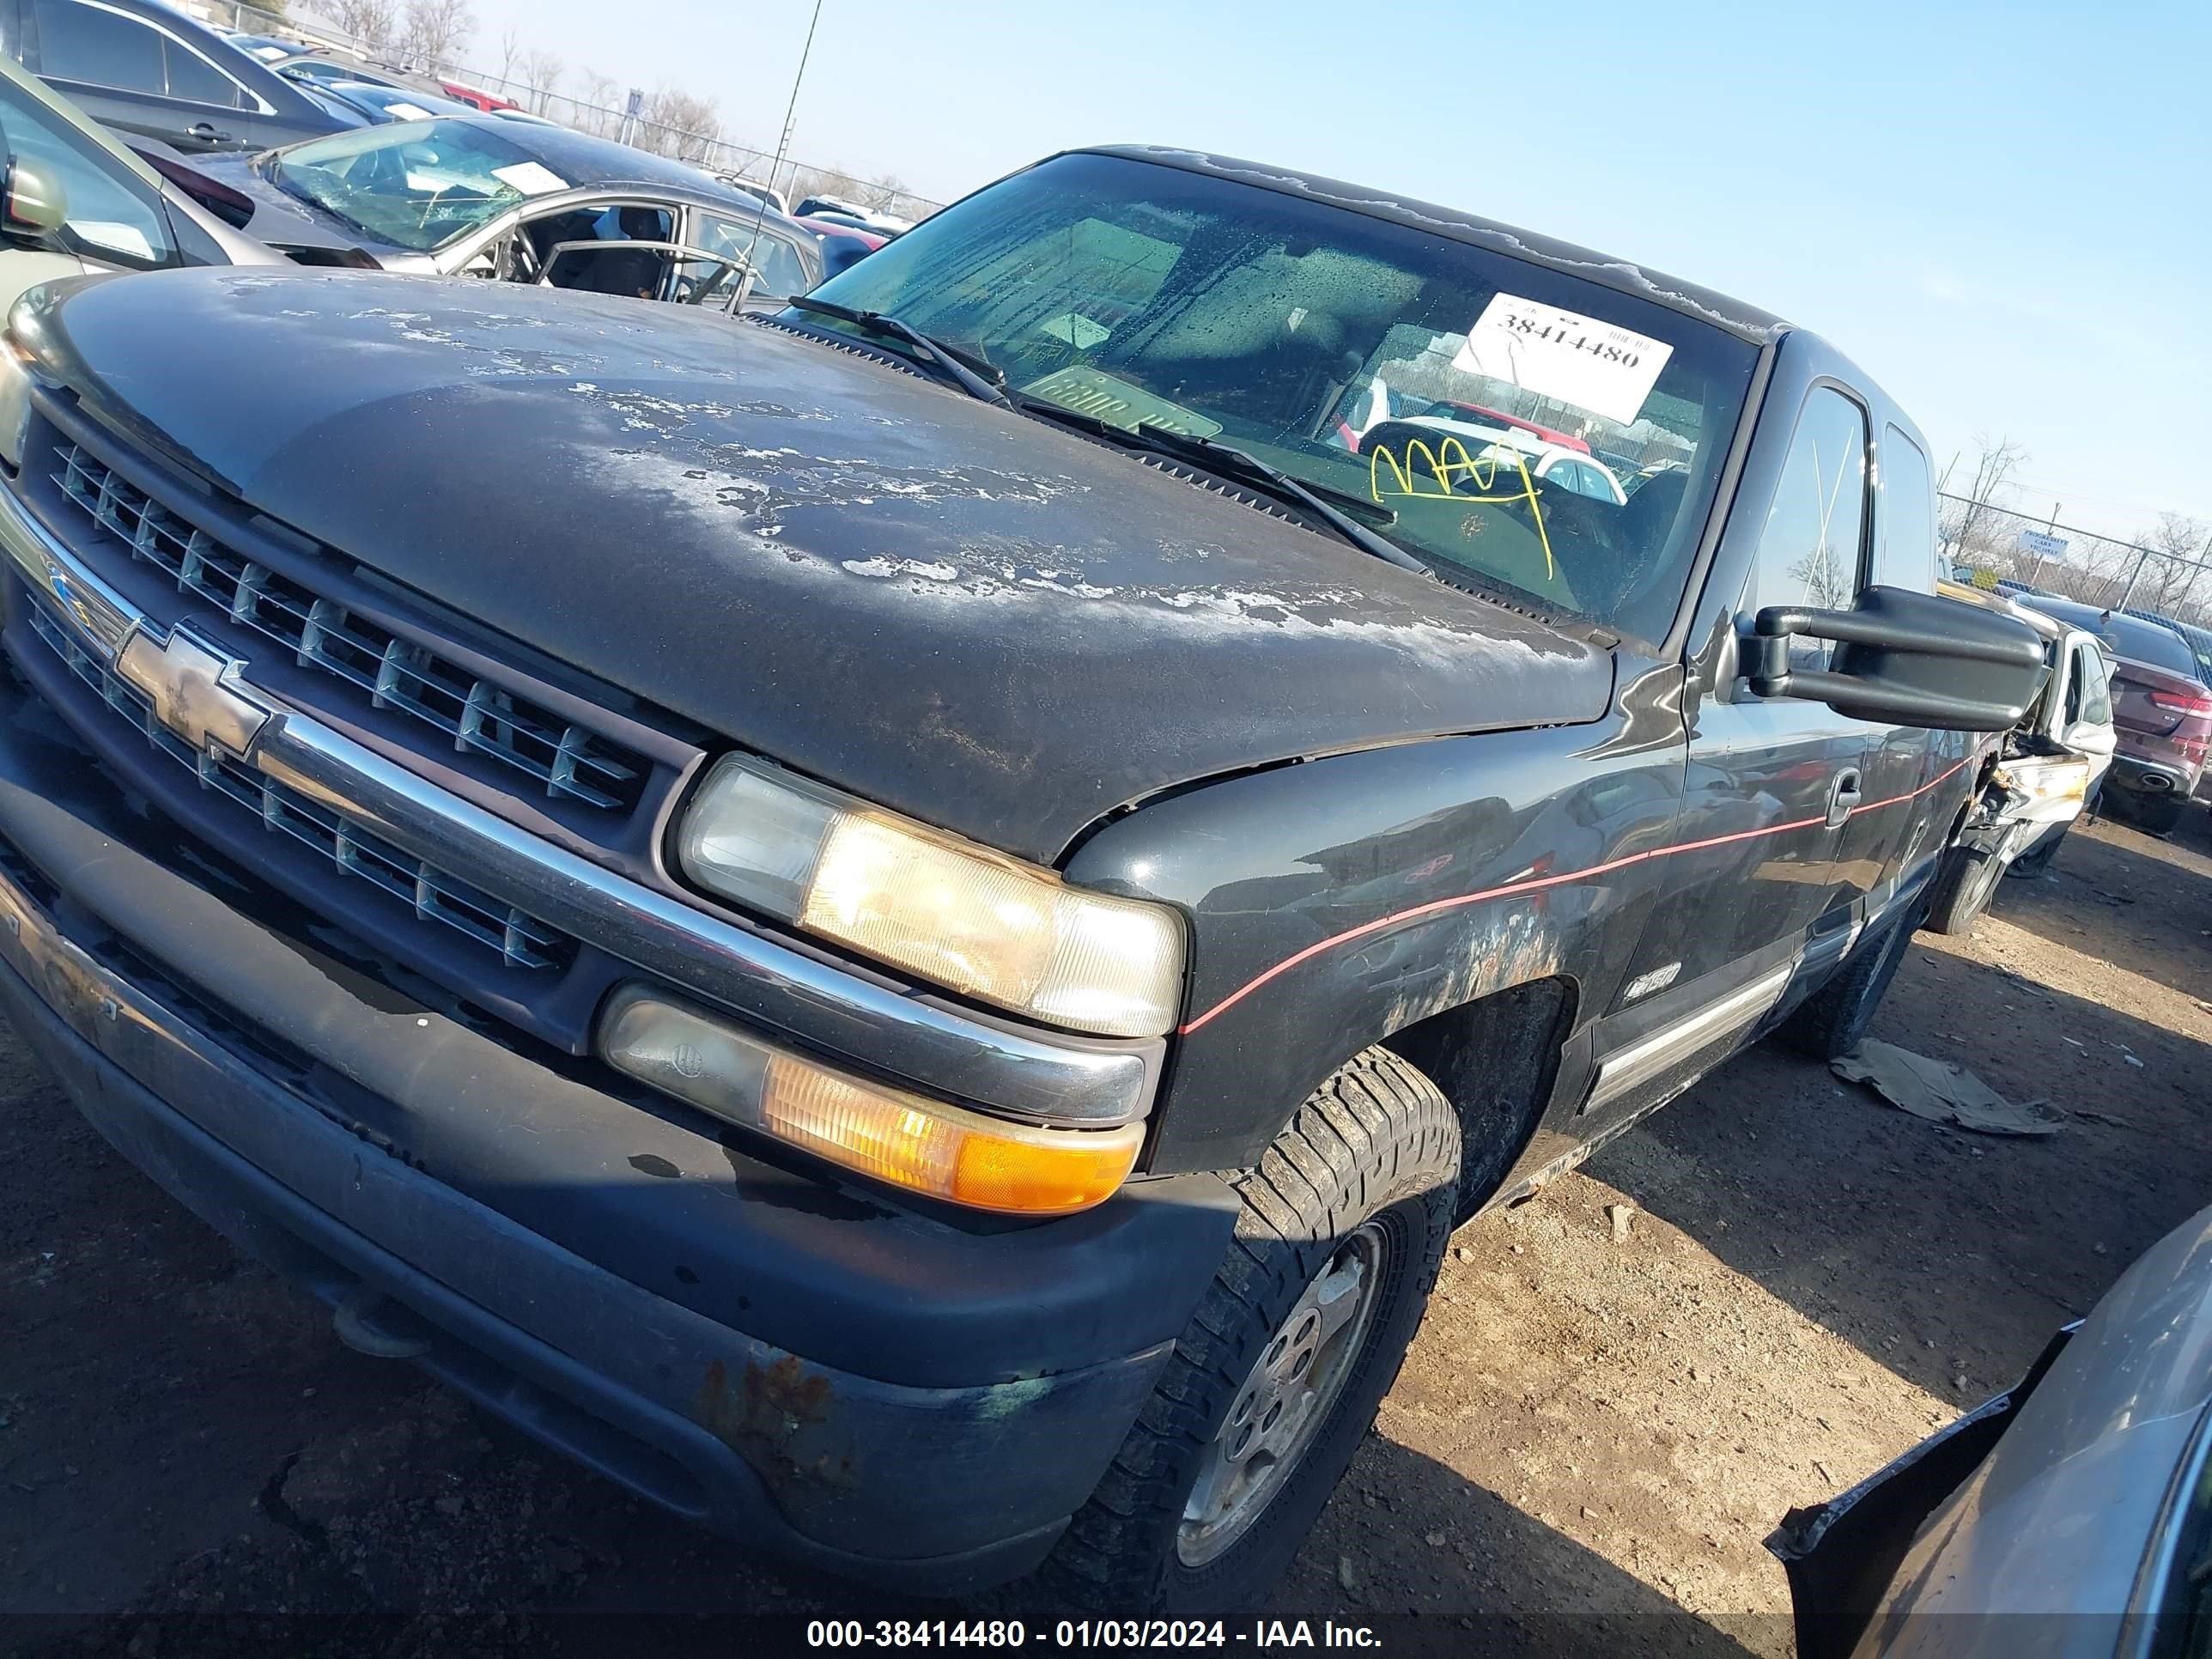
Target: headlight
2043 780
924 1145
946 910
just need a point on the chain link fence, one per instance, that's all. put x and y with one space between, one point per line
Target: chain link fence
707 150
1983 538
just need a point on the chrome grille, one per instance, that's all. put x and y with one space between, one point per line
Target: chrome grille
477 715
520 941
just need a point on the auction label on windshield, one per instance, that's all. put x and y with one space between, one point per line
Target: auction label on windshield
530 178
1593 365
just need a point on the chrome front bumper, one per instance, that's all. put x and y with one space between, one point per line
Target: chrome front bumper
872 1021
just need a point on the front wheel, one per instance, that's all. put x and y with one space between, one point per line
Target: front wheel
1962 889
1273 1382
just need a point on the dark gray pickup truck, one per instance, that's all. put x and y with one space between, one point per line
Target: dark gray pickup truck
905 927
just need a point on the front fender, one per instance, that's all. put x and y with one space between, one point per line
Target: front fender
1335 902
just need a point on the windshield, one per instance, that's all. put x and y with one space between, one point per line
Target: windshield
415 186
1441 383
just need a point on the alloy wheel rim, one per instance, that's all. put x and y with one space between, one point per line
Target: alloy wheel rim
1285 1398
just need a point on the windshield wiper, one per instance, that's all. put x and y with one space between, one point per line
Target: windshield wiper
1315 500
977 376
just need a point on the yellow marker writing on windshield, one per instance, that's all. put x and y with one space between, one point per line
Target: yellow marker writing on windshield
1445 464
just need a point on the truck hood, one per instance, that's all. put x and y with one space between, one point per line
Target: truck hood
956 611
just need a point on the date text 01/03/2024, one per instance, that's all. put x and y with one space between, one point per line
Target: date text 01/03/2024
926 1633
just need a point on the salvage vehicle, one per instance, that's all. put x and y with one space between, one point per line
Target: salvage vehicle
144 68
483 196
2066 1518
906 925
73 200
2047 772
2161 711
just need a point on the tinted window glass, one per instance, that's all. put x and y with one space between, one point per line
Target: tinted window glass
1907 520
1808 554
79 42
193 76
2150 642
112 216
1136 293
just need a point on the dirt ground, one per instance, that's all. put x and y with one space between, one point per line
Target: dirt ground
1811 1282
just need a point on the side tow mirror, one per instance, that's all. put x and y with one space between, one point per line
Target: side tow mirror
1906 658
32 203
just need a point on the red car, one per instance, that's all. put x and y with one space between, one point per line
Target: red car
1499 417
2161 711
487 101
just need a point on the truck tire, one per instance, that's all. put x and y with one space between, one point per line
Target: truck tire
1831 1021
1275 1380
1962 889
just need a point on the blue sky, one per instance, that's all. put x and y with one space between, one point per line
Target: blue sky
2003 213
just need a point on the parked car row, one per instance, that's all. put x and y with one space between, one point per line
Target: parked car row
417 184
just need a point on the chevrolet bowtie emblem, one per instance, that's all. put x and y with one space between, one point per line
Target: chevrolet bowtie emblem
194 689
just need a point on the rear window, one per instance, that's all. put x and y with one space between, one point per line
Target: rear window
2147 641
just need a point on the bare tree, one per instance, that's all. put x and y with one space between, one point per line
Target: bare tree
510 49
598 103
678 124
436 29
371 23
1967 525
2172 576
883 193
541 72
825 181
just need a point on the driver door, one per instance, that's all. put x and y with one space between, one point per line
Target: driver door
768 266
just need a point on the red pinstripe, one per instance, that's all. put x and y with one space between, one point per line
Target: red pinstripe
1537 882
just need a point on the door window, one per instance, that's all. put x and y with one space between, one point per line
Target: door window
780 271
89 43
2092 690
112 217
1905 520
1809 552
191 76
613 262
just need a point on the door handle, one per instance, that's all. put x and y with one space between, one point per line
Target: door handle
205 132
1843 795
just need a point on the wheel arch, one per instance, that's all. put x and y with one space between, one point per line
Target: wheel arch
1496 1059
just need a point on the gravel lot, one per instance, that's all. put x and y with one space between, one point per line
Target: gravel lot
1606 1426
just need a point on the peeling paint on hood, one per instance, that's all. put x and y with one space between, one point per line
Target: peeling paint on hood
960 613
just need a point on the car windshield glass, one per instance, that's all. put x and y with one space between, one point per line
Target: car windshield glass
1348 351
415 186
